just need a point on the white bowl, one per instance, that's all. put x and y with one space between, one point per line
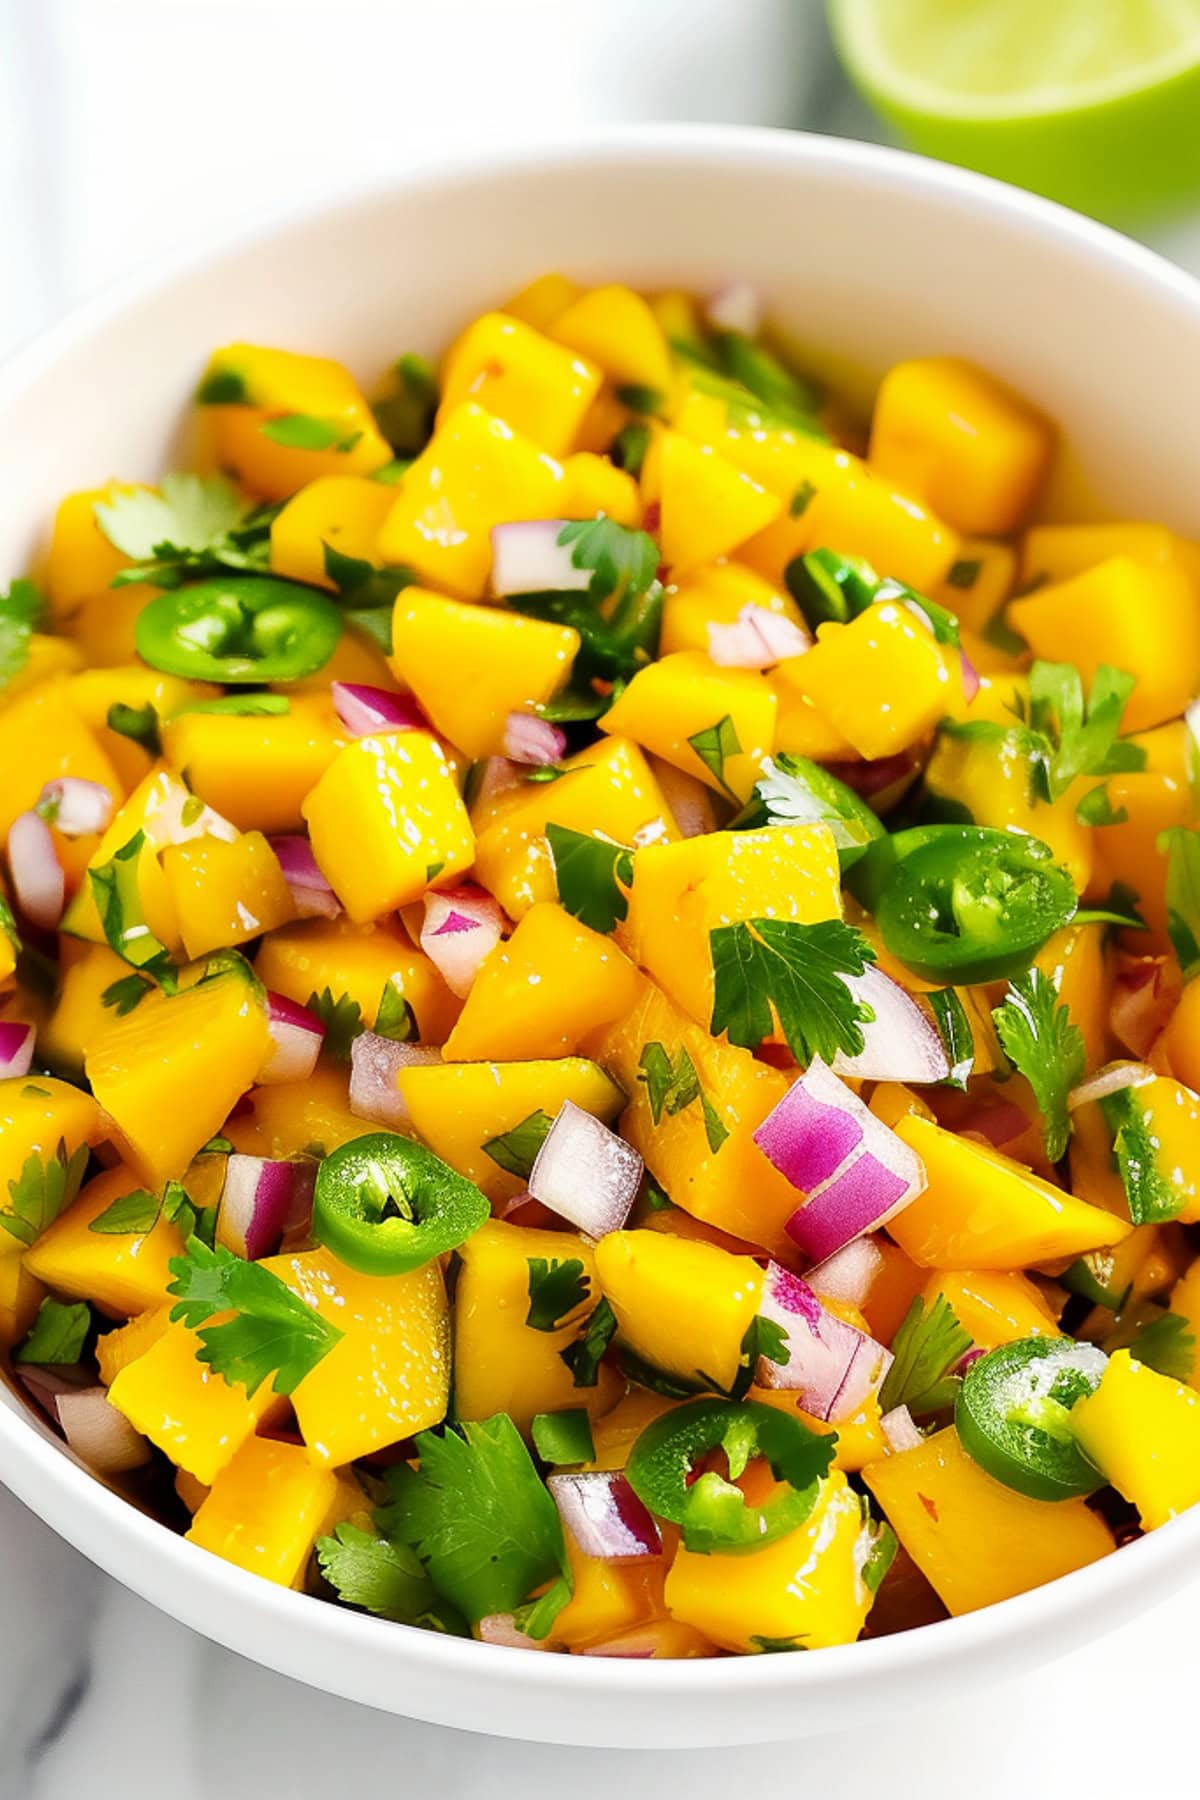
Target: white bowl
869 255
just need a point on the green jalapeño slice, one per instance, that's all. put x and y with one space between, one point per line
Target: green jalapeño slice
384 1205
1014 1415
239 628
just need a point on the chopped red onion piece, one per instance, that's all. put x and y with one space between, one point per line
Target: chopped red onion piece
496 775
364 710
899 1431
585 1172
861 1197
870 780
832 1366
461 925
501 1628
814 1128
77 808
99 1435
296 1039
605 1516
39 885
311 894
690 801
1110 1080
261 1199
735 307
374 1062
970 677
16 1048
1143 999
529 739
527 558
849 1273
900 1043
757 639
968 1357
45 1382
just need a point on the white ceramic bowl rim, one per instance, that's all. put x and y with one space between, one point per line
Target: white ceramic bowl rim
138 1549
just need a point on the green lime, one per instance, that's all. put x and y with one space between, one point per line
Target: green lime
1093 102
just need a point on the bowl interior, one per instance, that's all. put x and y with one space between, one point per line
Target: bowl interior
865 256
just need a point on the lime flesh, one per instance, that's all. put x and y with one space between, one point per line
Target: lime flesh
1093 102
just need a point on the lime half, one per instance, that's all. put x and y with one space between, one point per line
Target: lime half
1093 102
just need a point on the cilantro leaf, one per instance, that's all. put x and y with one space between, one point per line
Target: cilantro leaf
342 1019
361 584
628 449
119 904
395 1018
563 1437
383 1578
303 431
515 1151
619 616
779 970
194 525
138 723
21 610
591 873
954 1029
556 1289
964 573
584 1355
1040 1038
883 1547
670 1087
223 387
481 1520
1166 1343
405 414
714 746
794 791
790 396
1152 1197
651 402
125 994
620 559
926 1347
272 1330
1181 846
1096 808
58 1335
131 1214
42 1191
1082 735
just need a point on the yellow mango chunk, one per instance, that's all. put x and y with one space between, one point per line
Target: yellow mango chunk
501 1363
457 1108
116 1349
522 377
1135 616
361 961
225 893
881 681
682 1306
860 1438
607 1599
616 329
297 1118
974 1540
156 808
685 697
94 691
682 892
389 1376
265 1511
542 300
1152 800
806 1586
1142 1430
1057 552
122 1273
1074 960
208 1042
955 438
715 596
611 793
995 1306
79 1012
983 1211
276 389
474 473
193 1415
799 728
470 666
343 511
614 1435
81 563
732 1187
994 781
540 992
386 820
42 737
256 772
20 1296
1178 1047
708 506
45 656
593 485
37 1114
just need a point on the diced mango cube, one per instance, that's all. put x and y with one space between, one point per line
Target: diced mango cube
122 1272
344 512
1142 1430
522 377
881 681
265 1510
192 1414
360 961
256 771
708 507
616 329
683 1307
225 892
714 723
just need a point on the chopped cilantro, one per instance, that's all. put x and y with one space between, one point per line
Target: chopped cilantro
272 1330
1082 734
58 1335
21 610
927 1344
223 387
42 1191
779 971
714 746
361 584
1166 1343
301 431
342 1019
1181 846
881 1555
405 414
482 1522
515 1151
592 874
792 790
670 1087
123 995
1119 907
1040 1038
628 449
383 1578
964 573
954 1029
395 1018
789 398
129 1215
556 1290
774 1646
619 616
138 723
249 704
584 1355
649 401
195 525
1096 808
119 904
801 500
563 1437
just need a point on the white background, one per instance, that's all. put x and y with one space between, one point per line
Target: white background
128 127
